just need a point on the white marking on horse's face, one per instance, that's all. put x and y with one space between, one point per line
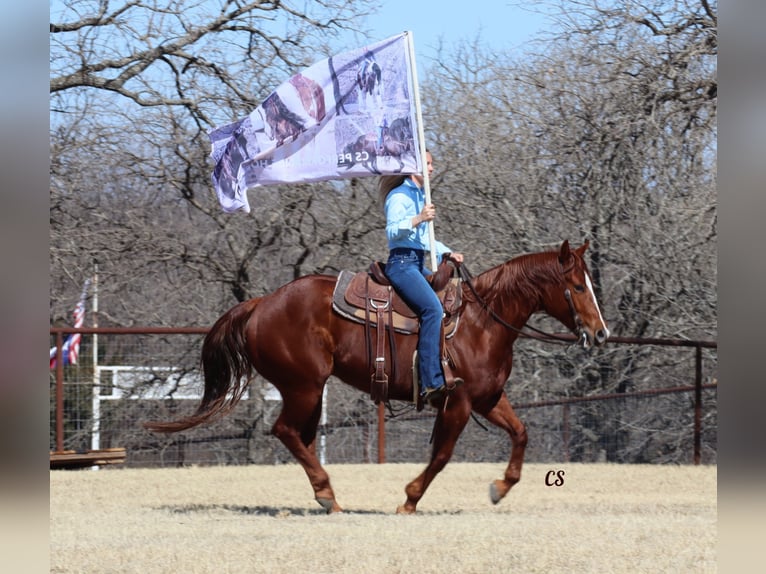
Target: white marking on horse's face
595 303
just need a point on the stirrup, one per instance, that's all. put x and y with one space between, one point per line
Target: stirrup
451 384
434 396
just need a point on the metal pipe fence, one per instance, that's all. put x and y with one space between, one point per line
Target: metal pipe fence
660 407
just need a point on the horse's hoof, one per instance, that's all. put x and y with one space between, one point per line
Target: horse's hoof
495 493
404 510
329 505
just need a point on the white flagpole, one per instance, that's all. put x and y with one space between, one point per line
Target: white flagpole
422 140
96 424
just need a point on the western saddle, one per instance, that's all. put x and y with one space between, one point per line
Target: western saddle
367 297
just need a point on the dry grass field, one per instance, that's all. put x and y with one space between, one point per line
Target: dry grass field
604 518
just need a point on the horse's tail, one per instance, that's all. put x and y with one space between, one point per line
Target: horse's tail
226 368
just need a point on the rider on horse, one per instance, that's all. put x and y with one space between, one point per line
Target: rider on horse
407 215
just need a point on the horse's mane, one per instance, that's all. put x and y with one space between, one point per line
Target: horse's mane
521 277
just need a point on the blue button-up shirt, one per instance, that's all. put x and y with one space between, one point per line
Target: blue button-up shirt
402 204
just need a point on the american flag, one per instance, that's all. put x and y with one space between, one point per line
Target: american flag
71 346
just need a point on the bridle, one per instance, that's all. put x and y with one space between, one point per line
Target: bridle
581 336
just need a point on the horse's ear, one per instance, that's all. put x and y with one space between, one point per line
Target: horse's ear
564 252
580 250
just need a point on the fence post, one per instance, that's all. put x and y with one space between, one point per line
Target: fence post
59 392
698 405
565 430
381 433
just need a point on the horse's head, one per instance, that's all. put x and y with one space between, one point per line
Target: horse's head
584 316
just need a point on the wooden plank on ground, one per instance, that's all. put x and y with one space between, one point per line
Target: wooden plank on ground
75 459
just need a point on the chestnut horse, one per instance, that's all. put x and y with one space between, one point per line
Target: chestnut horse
295 339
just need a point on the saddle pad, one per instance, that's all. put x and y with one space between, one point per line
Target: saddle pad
406 324
362 289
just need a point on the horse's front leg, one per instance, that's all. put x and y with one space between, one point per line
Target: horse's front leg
449 424
503 416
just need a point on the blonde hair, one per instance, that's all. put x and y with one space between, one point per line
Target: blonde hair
387 183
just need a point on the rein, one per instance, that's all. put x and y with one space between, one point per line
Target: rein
536 333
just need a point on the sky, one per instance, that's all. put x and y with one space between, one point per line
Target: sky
501 24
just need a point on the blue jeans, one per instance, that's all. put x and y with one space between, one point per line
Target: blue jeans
406 271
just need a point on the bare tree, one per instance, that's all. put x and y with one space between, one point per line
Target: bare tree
134 88
197 55
608 135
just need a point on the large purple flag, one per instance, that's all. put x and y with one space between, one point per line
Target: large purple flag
351 115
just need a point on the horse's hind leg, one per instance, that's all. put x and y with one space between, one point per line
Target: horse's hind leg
449 424
296 427
503 415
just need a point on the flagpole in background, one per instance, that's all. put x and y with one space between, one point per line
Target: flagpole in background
96 424
422 143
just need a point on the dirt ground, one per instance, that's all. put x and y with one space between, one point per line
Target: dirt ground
598 518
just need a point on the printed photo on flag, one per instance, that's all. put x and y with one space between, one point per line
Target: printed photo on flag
71 347
351 115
